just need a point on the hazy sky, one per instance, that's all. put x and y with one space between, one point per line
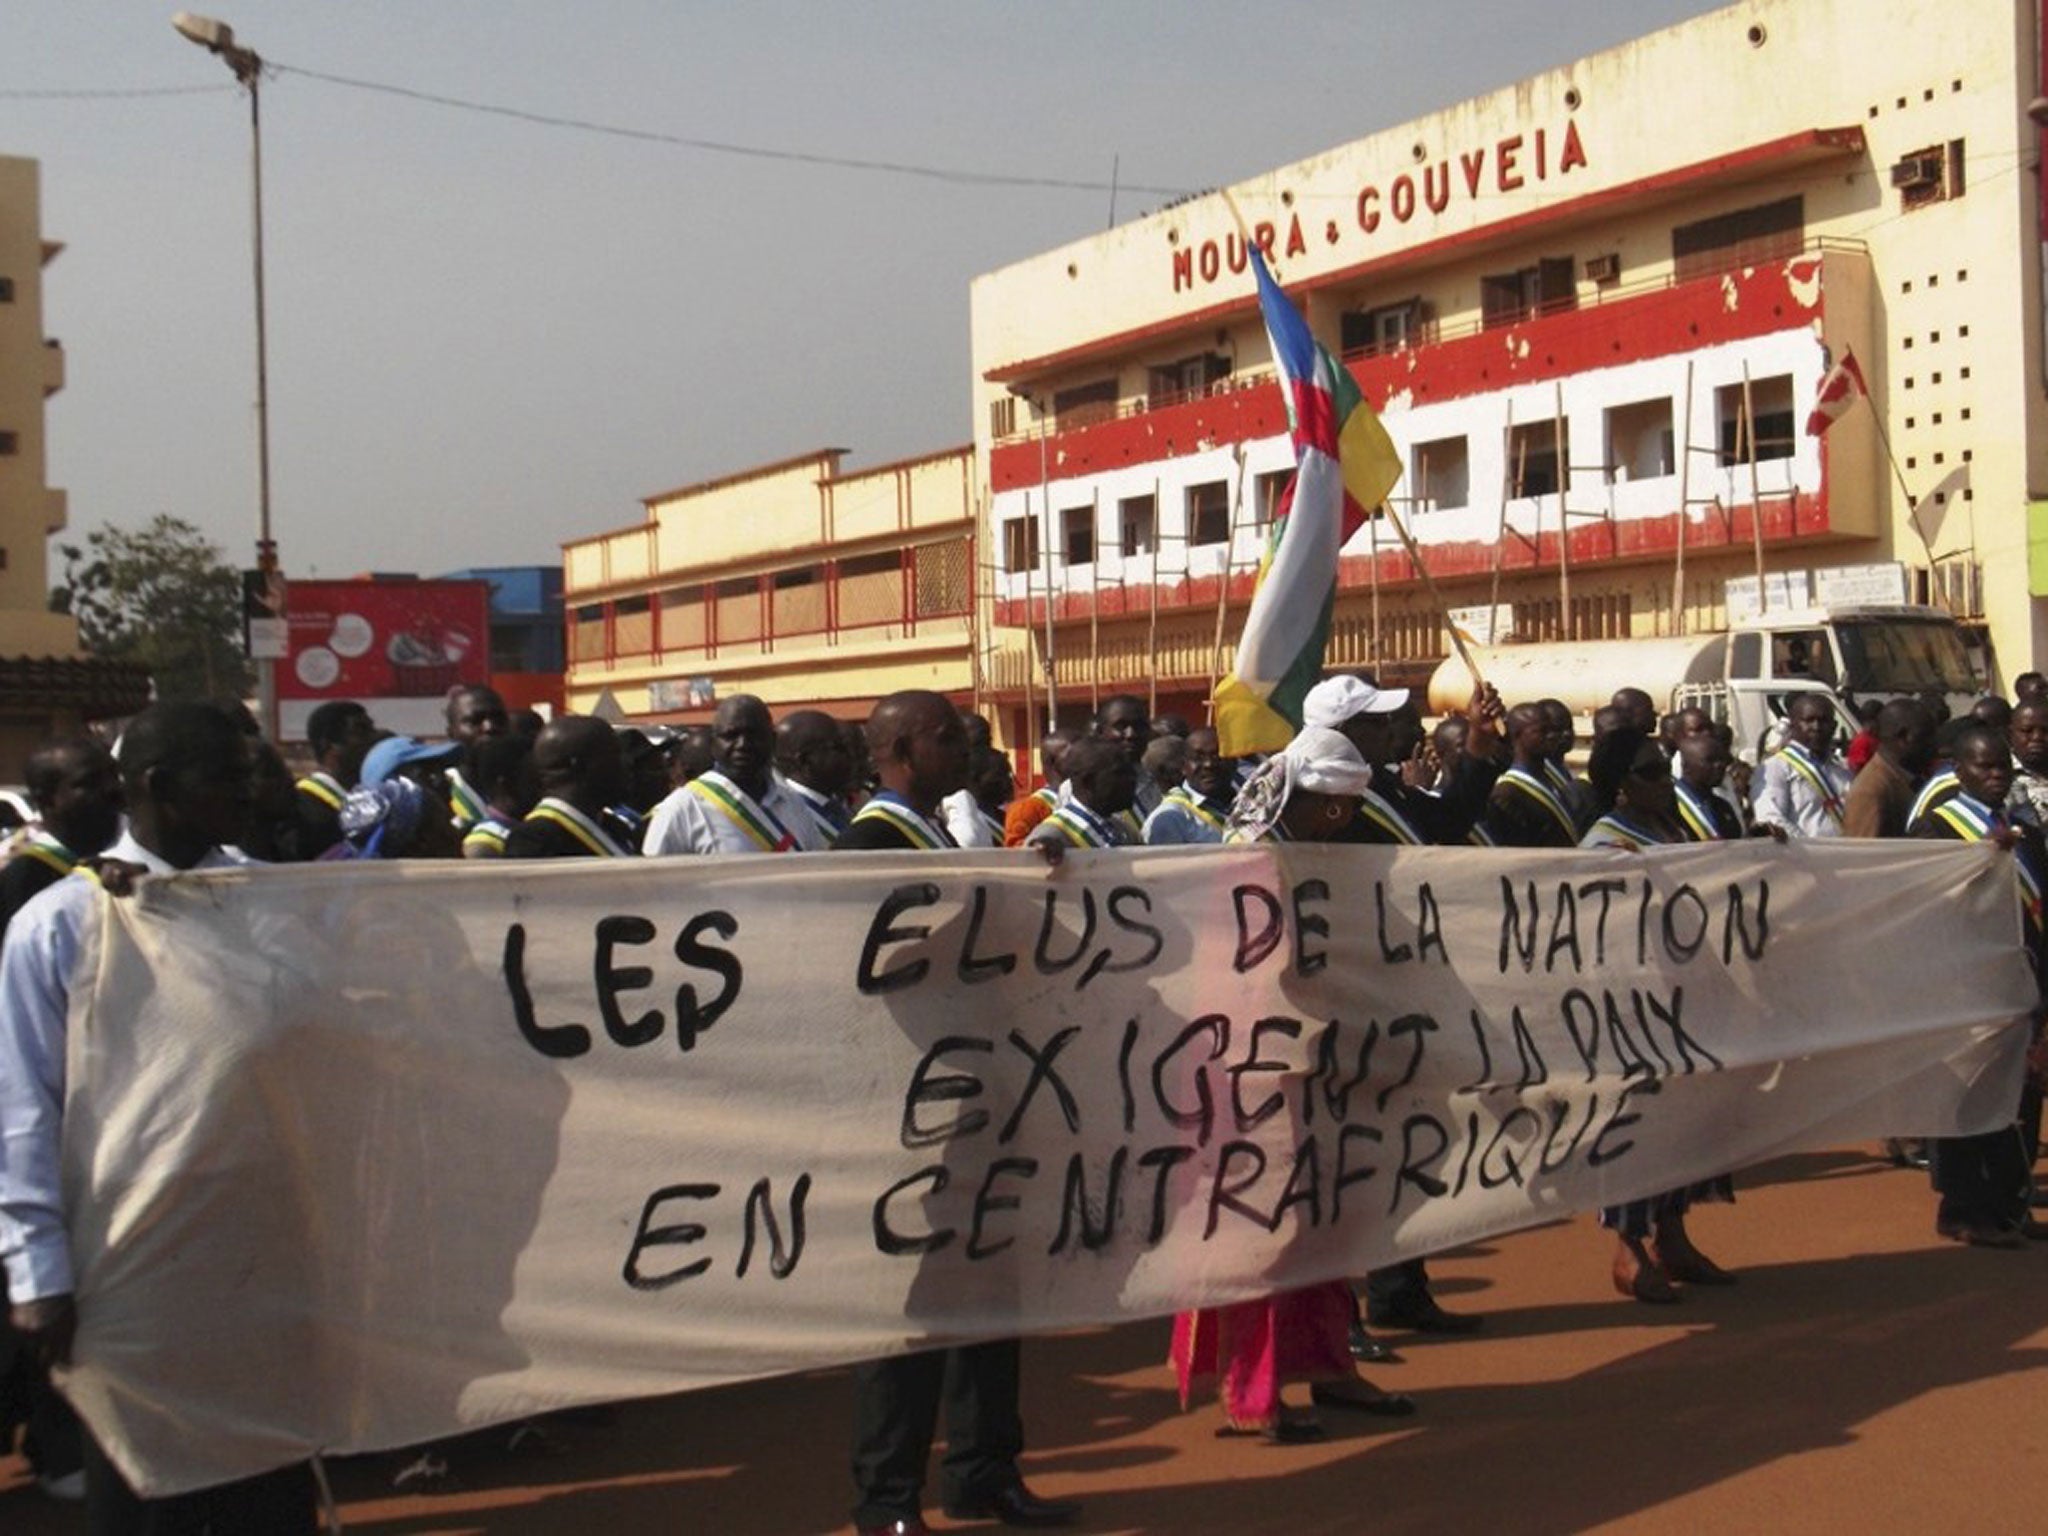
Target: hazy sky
487 336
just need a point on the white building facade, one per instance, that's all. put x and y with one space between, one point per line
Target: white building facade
1593 310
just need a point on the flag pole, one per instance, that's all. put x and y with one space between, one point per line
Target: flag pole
1436 596
1386 510
1899 475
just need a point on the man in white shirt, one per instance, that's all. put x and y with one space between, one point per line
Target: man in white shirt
738 805
1802 787
186 771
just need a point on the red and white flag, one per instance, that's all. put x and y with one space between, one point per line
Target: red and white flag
1840 390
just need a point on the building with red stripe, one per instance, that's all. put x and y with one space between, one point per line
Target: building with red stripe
1593 309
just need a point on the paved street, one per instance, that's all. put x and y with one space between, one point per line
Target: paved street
1862 1377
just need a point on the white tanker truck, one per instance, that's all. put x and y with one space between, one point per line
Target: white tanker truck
1743 674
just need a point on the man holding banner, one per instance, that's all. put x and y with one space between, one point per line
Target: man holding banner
919 747
186 771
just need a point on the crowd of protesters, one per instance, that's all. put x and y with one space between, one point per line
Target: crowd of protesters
194 786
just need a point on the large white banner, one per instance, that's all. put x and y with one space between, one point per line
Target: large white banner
360 1156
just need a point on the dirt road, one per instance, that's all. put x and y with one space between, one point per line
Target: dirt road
1862 1377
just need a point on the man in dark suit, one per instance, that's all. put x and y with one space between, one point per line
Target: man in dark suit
1880 799
920 751
338 733
1705 813
1984 1181
582 774
1525 809
1385 726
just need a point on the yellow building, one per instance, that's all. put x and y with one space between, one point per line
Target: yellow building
1593 309
794 582
46 684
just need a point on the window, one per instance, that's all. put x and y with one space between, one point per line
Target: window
738 613
632 627
10 443
586 633
1137 518
1506 298
1188 379
1746 237
797 601
1267 491
1020 544
871 589
1441 473
1639 441
1002 417
1930 175
1084 405
1906 655
1770 401
1533 459
1209 513
685 619
942 577
6 290
1802 653
1077 535
1387 328
1745 654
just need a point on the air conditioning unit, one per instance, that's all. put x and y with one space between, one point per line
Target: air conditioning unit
1604 269
1915 171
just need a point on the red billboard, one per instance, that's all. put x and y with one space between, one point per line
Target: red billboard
396 647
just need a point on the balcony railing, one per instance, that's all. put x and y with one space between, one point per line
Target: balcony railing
1436 333
867 597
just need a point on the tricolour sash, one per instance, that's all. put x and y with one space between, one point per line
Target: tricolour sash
1193 805
1973 823
487 837
1622 834
1381 813
469 806
325 788
741 809
594 838
1695 815
1802 763
1080 827
905 819
1545 795
49 853
1937 786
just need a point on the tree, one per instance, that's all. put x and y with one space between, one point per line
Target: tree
161 596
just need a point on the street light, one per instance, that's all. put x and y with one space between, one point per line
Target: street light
217 37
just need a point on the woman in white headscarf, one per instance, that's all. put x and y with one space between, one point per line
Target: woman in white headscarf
1308 793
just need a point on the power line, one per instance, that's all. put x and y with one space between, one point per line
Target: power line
117 95
725 147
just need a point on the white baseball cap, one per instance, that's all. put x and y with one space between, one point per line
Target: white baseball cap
1336 699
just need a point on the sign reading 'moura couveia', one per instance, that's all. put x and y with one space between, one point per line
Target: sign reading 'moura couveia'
358 1158
1469 175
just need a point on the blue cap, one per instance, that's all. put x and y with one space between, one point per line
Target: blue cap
394 753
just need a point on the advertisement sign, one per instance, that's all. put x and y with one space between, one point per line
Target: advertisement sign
264 636
396 647
1782 591
1882 582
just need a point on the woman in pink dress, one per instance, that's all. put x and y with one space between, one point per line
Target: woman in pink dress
1251 1349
